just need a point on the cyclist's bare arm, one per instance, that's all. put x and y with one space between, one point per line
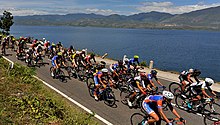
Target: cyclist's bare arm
163 115
140 88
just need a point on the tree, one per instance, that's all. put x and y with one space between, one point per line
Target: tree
6 22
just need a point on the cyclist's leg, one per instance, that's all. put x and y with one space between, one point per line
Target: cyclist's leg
151 113
96 86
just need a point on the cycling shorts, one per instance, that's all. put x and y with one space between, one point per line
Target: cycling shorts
53 64
147 108
96 80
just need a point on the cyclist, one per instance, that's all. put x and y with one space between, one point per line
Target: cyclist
101 65
117 69
101 79
138 87
82 53
88 59
57 61
150 76
76 59
133 61
185 77
198 90
153 107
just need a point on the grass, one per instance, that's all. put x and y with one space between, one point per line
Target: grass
25 100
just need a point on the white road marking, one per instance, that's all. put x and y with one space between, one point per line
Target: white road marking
67 97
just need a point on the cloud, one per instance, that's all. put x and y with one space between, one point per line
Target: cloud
169 7
100 11
23 12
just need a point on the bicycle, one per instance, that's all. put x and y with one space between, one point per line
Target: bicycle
176 88
139 118
212 119
59 74
107 94
203 106
126 92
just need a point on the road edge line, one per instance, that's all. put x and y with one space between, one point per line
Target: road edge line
67 97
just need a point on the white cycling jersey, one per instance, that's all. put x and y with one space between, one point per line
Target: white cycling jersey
141 81
202 84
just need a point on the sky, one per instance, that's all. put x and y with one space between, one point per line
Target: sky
104 7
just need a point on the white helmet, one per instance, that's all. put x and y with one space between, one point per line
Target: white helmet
191 70
77 52
209 81
84 50
168 95
104 70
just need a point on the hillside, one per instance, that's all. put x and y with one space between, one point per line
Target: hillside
201 19
206 17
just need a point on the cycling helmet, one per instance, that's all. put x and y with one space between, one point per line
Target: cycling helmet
77 52
120 62
196 72
59 53
102 63
191 70
209 81
136 56
153 72
105 70
71 47
83 50
143 74
92 55
168 95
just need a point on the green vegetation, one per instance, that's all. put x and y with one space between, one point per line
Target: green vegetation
143 63
25 100
6 22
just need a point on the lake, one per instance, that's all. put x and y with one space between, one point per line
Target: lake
174 50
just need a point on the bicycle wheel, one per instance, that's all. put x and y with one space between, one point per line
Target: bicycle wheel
181 102
80 75
91 88
51 72
212 119
61 75
109 98
124 95
90 80
138 118
211 107
175 88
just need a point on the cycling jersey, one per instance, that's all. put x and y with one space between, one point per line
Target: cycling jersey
141 82
197 88
97 76
88 58
183 76
57 60
152 101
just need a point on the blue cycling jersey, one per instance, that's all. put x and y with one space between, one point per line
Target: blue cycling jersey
54 58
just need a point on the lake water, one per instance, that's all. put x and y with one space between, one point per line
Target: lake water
175 50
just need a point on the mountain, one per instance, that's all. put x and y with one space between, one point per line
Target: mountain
200 19
206 17
151 16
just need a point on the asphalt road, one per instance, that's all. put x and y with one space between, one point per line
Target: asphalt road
117 115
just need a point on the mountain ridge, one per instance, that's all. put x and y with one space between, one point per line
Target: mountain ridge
208 18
